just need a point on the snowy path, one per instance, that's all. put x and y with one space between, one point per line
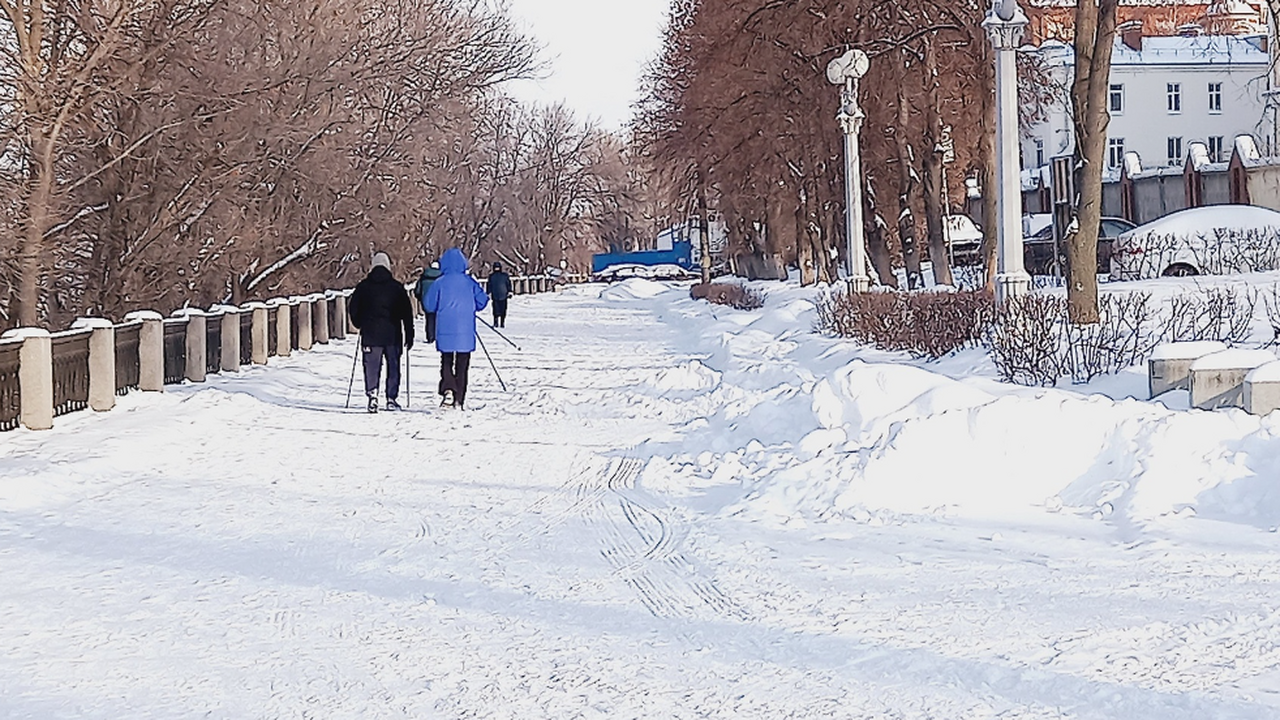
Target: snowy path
248 550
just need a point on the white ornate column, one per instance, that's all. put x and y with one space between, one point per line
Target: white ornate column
846 71
1005 25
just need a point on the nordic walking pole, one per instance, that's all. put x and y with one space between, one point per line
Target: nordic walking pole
407 385
351 383
504 337
495 367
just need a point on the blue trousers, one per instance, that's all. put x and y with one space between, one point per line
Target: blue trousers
373 357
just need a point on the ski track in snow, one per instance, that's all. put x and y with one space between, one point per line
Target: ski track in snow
248 549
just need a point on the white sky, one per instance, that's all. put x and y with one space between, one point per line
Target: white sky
596 51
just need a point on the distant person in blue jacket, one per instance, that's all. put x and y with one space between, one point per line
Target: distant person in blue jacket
455 297
499 287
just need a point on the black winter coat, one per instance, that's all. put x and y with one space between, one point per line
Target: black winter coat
499 286
380 308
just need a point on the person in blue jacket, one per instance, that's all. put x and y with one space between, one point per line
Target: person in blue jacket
455 297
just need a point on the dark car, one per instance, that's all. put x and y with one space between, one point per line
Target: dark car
1038 248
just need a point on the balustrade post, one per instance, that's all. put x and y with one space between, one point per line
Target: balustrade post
351 327
35 375
339 329
230 338
197 344
303 306
284 339
102 362
258 334
320 319
150 350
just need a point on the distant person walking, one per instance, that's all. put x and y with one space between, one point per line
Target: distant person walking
429 276
455 298
381 310
499 288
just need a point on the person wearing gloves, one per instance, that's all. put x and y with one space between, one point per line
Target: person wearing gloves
381 310
455 297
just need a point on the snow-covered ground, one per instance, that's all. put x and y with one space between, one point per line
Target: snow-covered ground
678 511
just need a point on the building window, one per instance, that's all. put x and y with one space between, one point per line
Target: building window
1115 152
1215 149
1174 145
1173 93
1215 97
1115 101
1039 152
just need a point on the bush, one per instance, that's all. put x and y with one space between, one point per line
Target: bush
740 297
925 324
1032 341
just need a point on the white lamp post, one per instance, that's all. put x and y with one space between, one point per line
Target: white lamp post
845 71
1005 24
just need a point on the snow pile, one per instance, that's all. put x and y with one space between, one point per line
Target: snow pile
819 428
634 288
690 378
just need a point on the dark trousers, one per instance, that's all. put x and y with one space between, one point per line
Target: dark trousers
431 327
373 357
454 368
500 312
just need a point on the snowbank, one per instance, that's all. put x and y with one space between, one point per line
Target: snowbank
806 427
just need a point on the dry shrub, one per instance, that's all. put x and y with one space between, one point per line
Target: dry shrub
926 324
740 297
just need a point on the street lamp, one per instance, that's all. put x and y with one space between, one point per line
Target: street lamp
1005 24
845 71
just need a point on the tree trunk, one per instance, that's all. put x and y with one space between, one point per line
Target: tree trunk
987 180
877 236
935 200
804 248
906 188
31 253
1095 32
704 231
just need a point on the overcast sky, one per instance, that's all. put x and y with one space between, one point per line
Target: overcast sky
596 51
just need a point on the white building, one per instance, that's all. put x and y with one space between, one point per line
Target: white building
1165 93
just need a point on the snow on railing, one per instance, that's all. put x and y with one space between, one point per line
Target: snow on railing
43 375
93 363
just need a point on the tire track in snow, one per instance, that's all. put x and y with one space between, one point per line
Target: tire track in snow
644 544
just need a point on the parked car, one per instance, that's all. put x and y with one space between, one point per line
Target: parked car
966 240
664 271
1213 240
1037 249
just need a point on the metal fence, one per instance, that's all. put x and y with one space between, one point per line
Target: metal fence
273 330
293 328
213 344
246 337
10 386
70 371
175 351
128 364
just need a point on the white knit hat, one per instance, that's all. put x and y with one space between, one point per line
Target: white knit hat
381 260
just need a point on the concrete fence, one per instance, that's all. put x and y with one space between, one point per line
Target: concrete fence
46 375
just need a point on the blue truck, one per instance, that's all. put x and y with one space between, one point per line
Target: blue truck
680 255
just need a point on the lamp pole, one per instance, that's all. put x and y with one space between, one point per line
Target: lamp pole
1005 24
845 71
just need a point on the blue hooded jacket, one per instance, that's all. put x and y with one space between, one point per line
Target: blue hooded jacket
455 299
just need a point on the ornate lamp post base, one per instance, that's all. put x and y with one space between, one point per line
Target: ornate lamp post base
1012 285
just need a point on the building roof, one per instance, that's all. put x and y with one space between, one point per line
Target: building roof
1219 50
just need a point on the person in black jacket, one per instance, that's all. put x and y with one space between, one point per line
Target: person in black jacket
380 308
499 288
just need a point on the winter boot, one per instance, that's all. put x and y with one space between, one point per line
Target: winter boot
392 405
373 404
446 400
